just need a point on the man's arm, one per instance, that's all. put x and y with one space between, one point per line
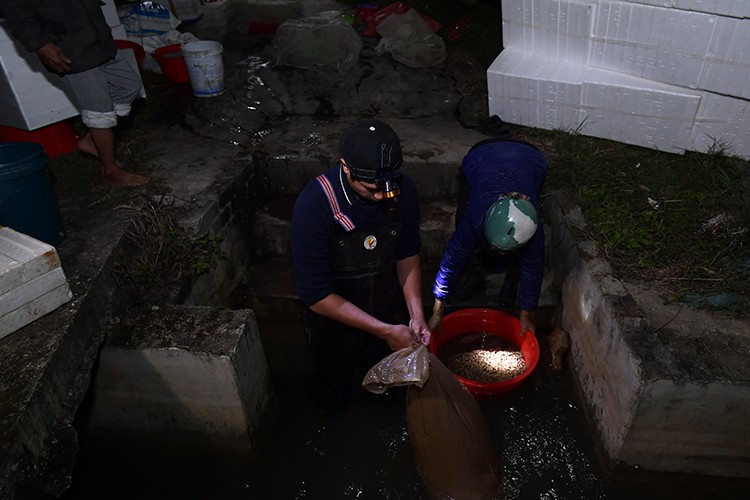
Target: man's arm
339 309
410 277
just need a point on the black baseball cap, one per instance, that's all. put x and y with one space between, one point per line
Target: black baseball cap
372 150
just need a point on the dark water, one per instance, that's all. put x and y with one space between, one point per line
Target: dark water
363 452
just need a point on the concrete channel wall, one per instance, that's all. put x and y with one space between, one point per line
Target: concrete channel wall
655 405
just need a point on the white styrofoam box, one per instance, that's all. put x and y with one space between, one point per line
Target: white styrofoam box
664 45
119 33
636 111
32 282
530 90
722 121
557 29
24 81
726 68
732 8
110 12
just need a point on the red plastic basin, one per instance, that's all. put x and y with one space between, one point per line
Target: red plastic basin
172 63
500 324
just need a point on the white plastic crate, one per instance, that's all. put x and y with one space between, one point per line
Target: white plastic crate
32 282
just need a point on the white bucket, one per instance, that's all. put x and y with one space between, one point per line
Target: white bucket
205 67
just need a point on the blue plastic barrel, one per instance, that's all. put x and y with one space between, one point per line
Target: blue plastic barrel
27 201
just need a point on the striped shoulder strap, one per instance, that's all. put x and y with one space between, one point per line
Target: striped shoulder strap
338 215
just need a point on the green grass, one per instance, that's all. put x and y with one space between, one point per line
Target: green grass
680 220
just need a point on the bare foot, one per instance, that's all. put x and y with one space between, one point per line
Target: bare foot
121 178
86 145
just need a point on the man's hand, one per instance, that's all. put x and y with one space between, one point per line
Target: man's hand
420 330
436 320
526 322
399 336
54 58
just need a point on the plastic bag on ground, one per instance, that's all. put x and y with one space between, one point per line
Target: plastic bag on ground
410 40
317 41
452 445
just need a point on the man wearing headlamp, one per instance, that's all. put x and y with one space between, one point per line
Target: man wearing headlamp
355 252
497 212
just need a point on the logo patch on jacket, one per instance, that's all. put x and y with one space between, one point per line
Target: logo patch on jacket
370 242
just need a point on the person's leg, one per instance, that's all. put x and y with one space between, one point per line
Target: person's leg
91 90
112 173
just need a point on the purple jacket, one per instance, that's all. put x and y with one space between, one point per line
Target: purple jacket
491 168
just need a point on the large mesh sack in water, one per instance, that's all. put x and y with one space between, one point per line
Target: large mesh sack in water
452 446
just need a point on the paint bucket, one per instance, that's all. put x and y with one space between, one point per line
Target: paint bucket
495 323
171 63
205 67
27 200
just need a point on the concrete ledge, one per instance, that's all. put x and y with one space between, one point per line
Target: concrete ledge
185 369
47 367
658 391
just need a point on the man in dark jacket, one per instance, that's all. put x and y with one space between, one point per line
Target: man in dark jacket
73 40
355 250
500 181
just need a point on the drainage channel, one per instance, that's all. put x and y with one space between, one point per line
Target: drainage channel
539 430
363 451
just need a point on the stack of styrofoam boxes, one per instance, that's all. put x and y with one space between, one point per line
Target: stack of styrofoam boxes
32 97
666 76
32 283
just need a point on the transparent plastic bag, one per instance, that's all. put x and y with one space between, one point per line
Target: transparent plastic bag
317 41
410 40
407 366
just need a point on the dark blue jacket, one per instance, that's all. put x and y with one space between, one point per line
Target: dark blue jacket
492 168
314 230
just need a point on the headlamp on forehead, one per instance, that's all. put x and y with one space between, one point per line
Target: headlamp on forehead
391 189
